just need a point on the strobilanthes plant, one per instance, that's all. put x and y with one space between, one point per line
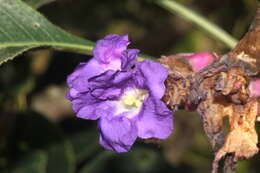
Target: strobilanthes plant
123 94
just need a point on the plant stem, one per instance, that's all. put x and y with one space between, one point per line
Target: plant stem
256 22
229 164
211 28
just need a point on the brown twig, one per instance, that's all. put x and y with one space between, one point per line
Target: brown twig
220 90
248 52
229 164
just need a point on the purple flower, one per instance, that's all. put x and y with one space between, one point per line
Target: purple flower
107 55
126 101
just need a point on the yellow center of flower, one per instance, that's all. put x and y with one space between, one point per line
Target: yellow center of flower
131 101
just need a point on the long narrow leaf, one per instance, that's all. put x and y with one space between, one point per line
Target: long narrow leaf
214 30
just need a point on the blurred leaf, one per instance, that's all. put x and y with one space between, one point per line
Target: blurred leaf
97 164
141 159
23 28
34 163
195 41
85 144
37 3
201 21
34 132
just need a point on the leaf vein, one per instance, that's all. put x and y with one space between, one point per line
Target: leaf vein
15 22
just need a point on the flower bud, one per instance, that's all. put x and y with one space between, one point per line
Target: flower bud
200 60
254 88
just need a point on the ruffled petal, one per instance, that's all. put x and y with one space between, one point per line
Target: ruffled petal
102 80
72 93
122 78
117 133
107 93
105 144
129 57
88 107
108 51
79 78
107 56
155 120
155 74
111 78
123 94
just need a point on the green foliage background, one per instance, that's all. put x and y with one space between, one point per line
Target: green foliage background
38 130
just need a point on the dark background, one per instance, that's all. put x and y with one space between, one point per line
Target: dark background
39 131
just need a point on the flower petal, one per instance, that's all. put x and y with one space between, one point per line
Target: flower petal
129 59
117 133
155 75
110 48
88 107
79 78
107 56
111 78
107 93
155 120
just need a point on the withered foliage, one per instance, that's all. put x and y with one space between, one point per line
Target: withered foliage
224 94
177 84
221 90
245 56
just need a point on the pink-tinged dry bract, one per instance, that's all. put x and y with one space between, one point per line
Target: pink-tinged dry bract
125 99
200 60
197 61
254 88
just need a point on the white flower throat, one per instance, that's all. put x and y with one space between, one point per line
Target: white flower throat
131 102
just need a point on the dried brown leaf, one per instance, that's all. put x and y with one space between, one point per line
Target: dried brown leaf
212 113
233 84
242 137
178 82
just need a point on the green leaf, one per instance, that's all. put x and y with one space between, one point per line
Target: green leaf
97 164
85 144
204 23
139 159
23 28
38 3
34 163
35 133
